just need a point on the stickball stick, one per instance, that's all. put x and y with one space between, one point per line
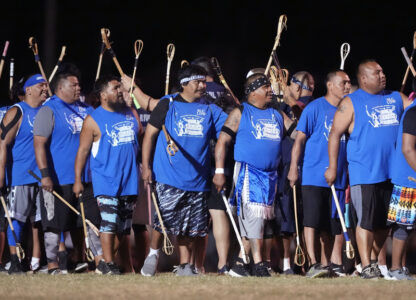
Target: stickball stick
345 50
138 47
107 43
19 250
409 62
217 68
3 56
11 73
349 249
34 46
89 223
299 254
102 50
282 25
61 57
170 51
408 69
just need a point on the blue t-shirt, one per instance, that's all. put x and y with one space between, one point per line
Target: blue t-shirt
316 122
371 144
258 138
191 126
113 158
64 140
21 156
401 169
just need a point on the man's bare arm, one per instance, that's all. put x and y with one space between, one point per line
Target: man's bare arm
149 142
343 122
145 101
297 151
8 140
409 149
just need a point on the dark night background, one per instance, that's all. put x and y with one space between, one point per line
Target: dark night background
239 33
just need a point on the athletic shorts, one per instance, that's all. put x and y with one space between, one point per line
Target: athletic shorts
253 227
116 213
92 212
57 216
24 202
402 208
3 225
371 204
215 200
317 209
183 213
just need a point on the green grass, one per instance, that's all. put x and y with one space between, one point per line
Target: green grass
167 286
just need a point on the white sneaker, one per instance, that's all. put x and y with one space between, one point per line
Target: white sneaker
149 266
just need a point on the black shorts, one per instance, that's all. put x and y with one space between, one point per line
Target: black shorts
317 209
214 200
92 212
57 216
371 204
3 225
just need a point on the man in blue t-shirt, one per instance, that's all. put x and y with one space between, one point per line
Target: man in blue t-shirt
182 178
371 116
318 207
16 158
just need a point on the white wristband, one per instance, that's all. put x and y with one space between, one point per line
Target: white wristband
219 171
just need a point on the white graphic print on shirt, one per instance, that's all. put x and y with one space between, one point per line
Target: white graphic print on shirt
328 127
190 125
266 129
121 133
382 115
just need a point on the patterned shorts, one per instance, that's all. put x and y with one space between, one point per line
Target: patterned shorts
116 213
402 208
183 212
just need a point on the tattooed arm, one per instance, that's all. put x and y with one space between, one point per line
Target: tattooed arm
224 140
343 122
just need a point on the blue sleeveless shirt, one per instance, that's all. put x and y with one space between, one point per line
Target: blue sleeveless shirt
64 140
316 122
371 144
21 158
113 158
401 169
259 136
191 126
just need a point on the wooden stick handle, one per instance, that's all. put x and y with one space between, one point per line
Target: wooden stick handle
11 73
170 51
61 57
281 25
216 65
100 59
409 62
6 46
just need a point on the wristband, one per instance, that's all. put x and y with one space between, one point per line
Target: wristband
219 171
44 172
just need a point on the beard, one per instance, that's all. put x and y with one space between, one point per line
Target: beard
117 105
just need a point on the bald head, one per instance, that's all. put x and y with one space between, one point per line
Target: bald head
371 77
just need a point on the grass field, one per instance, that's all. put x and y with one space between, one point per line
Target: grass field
167 286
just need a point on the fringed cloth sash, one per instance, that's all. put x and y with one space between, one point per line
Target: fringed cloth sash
254 191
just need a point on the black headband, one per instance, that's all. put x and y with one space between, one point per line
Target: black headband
259 82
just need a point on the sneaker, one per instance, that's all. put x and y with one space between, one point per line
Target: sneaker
336 270
114 268
369 272
81 267
15 266
185 270
2 269
43 269
63 261
55 271
317 270
194 269
400 275
149 266
102 268
288 272
377 270
239 270
224 270
260 270
268 266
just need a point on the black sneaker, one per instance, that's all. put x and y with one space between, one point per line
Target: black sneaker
2 269
114 269
317 270
81 267
15 266
63 261
260 270
239 269
369 273
336 270
224 270
377 270
103 268
289 272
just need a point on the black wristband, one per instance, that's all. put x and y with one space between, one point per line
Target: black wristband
44 172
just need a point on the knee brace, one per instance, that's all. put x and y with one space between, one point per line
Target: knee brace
95 243
51 246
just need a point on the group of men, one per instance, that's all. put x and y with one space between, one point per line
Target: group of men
199 146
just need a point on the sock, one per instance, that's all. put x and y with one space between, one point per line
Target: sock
383 269
62 239
286 263
153 251
34 264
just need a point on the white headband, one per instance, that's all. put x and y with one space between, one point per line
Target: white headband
193 77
